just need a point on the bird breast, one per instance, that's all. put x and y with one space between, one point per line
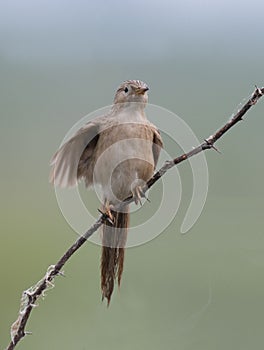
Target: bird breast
123 156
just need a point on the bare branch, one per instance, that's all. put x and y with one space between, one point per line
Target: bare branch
30 296
210 141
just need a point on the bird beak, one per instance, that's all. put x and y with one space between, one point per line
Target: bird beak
141 91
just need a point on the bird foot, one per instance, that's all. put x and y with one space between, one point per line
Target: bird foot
138 194
107 213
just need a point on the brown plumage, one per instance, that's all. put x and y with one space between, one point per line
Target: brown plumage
119 151
113 252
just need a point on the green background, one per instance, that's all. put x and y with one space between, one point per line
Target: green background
60 60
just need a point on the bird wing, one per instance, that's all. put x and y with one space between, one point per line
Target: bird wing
157 144
74 158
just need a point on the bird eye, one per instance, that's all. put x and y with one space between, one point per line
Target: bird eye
126 89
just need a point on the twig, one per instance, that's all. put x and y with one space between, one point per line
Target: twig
30 296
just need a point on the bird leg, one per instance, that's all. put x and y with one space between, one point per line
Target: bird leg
107 212
137 191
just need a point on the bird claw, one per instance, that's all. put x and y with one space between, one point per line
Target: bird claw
138 194
107 214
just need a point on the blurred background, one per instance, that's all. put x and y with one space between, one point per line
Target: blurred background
60 60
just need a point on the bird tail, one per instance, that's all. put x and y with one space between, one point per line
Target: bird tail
113 251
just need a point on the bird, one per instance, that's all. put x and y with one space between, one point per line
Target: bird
119 152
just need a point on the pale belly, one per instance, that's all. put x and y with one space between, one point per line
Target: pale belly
124 159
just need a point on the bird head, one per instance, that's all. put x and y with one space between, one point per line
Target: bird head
132 91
